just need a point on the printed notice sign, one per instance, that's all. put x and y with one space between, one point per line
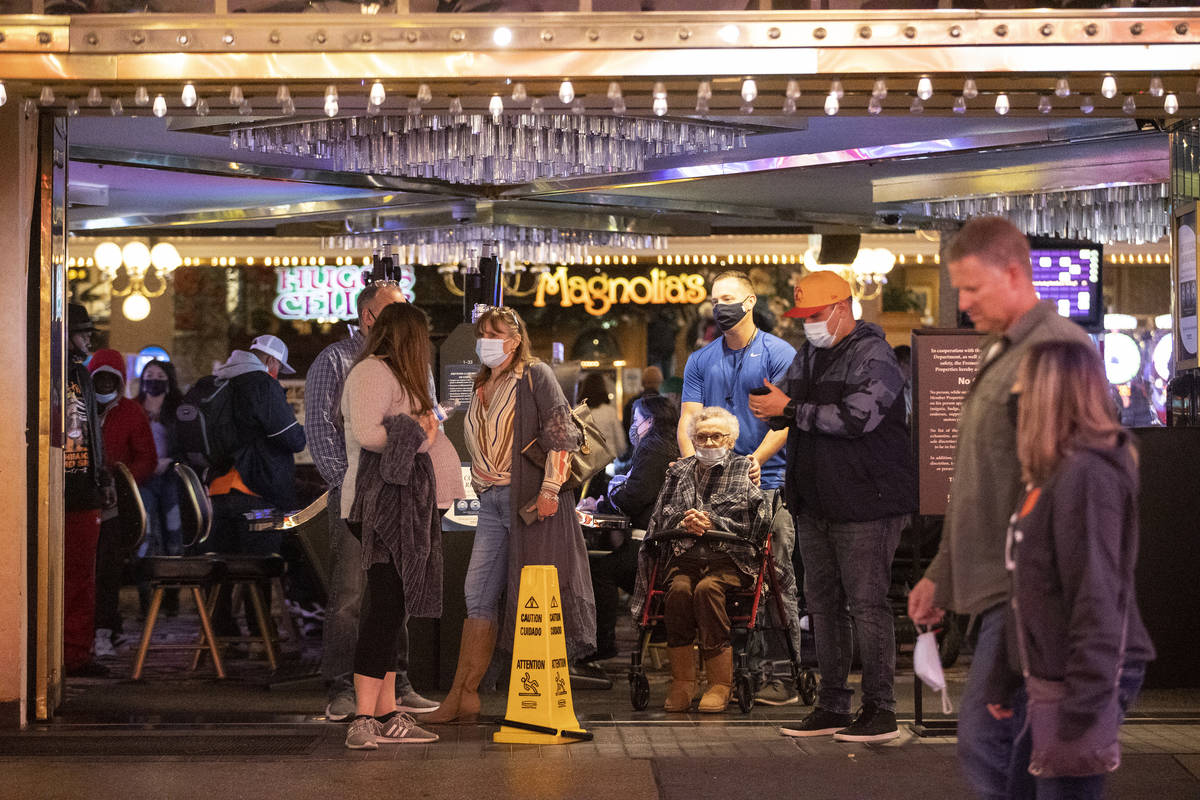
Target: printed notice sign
1185 293
944 363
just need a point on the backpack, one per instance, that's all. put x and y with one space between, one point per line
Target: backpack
205 428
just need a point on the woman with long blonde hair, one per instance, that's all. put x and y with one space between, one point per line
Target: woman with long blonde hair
525 516
1076 648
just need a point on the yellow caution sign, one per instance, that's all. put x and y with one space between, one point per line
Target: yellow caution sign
540 710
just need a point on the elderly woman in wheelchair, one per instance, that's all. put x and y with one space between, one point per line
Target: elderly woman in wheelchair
709 520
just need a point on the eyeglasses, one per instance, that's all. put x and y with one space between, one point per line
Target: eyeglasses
709 438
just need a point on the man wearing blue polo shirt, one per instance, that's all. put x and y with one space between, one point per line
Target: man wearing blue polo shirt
723 373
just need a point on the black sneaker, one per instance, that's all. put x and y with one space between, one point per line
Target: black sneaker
871 724
819 723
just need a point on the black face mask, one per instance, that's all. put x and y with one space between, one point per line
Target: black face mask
726 315
154 388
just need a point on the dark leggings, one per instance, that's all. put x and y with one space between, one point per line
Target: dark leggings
381 620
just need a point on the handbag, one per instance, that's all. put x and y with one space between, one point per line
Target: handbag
591 457
1097 750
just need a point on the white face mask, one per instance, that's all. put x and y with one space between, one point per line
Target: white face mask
105 399
819 334
491 352
711 455
927 663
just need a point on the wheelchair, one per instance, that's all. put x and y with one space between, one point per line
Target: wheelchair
748 621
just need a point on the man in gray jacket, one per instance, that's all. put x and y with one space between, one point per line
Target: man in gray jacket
989 264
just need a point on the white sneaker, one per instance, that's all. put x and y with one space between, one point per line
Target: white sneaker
103 646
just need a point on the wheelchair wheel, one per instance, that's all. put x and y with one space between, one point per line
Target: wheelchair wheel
807 686
639 691
743 689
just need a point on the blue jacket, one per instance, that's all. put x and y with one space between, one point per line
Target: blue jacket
849 457
268 426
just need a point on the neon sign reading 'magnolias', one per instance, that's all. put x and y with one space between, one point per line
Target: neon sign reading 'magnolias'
325 292
598 293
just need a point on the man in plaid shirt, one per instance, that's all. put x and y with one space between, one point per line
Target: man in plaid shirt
709 491
327 444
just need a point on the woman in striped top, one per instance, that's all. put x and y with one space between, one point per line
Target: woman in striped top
524 516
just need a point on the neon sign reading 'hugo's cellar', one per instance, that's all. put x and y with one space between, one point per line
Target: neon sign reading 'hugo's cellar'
598 293
325 292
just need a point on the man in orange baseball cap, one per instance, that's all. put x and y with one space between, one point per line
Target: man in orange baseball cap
851 483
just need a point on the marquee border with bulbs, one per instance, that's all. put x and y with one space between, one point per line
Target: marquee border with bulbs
726 63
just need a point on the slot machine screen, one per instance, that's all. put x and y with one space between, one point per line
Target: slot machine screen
1068 274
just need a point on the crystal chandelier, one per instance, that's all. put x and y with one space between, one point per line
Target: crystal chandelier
510 243
470 148
1136 214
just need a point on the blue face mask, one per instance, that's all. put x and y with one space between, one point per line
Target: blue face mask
639 429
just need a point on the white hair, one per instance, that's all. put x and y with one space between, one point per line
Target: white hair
717 413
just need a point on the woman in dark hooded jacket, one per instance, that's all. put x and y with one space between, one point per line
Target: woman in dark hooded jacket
1073 626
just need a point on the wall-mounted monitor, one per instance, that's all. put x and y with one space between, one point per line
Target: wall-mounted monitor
1069 274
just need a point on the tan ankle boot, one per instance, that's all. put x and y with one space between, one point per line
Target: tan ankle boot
719 669
683 679
474 655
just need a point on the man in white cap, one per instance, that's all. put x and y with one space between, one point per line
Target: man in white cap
851 482
264 468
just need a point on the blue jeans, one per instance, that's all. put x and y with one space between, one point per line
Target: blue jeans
487 574
164 534
347 583
985 744
847 573
1024 786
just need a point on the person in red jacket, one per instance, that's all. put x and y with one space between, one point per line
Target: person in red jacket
127 440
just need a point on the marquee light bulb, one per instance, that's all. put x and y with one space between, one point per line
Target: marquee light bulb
331 101
875 106
924 88
1002 105
660 90
917 106
704 90
749 90
116 107
1062 88
1129 106
46 98
283 94
970 89
141 96
502 37
1156 87
1108 87
519 93
188 95
94 97
566 92
1171 104
425 94
1087 105
378 95
879 90
3 94
835 88
960 105
614 90
659 106
1044 104
793 90
160 106
832 106
496 106
729 34
236 96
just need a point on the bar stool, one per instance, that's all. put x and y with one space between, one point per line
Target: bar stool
191 572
